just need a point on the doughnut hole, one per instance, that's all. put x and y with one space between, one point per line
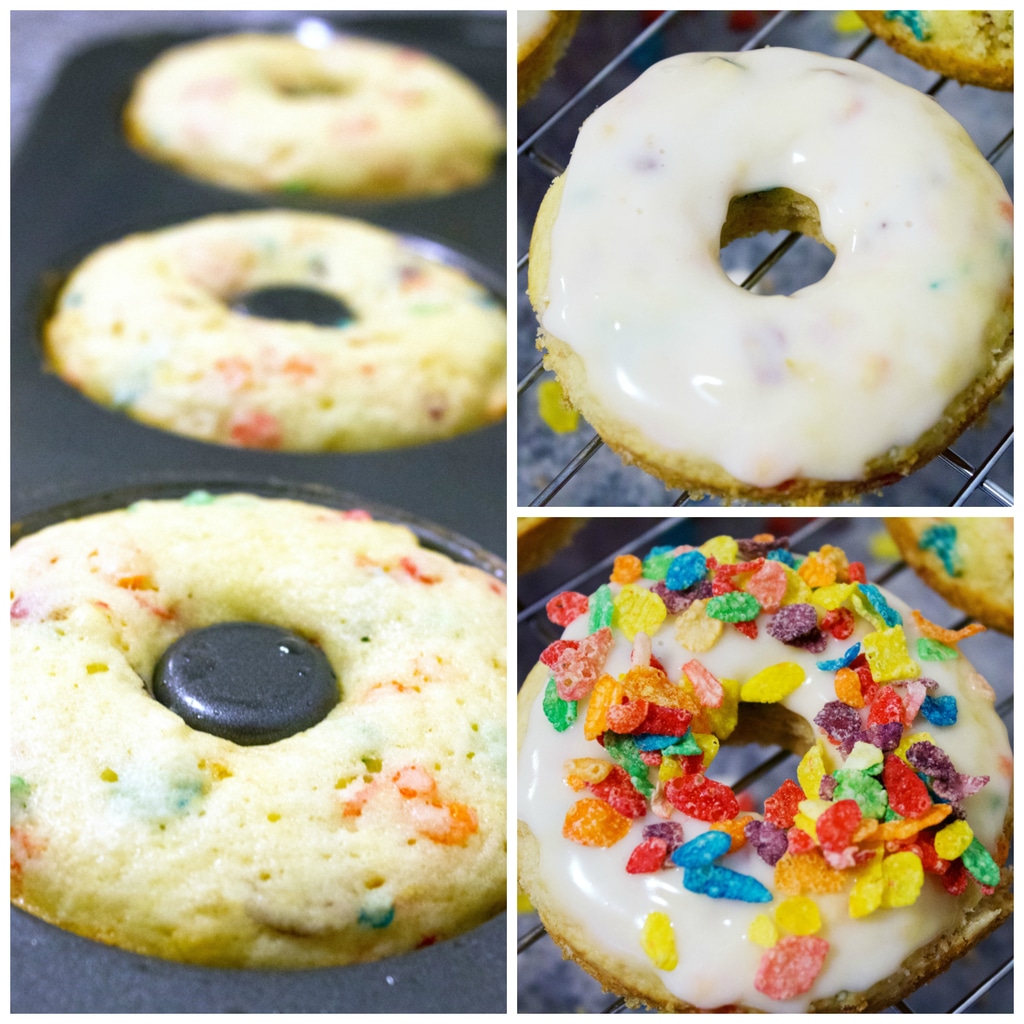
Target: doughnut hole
756 223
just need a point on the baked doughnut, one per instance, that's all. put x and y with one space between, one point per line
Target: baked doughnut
542 38
837 389
538 538
379 829
974 47
968 560
851 885
353 118
146 326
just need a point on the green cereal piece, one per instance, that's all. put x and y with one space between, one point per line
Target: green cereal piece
870 794
686 745
737 606
198 498
655 566
20 791
625 753
602 608
980 864
933 650
560 713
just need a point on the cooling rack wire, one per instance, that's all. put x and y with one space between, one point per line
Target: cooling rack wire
985 976
978 472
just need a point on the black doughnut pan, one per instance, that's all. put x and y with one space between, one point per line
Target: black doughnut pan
75 184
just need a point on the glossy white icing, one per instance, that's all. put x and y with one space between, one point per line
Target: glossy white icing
529 25
717 963
921 225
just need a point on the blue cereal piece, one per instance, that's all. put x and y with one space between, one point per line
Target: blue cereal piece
657 562
889 615
686 569
703 850
724 884
377 917
941 539
783 556
651 741
939 710
843 661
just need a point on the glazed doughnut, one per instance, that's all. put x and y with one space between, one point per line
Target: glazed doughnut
542 38
852 884
146 326
974 47
352 118
376 830
841 387
968 560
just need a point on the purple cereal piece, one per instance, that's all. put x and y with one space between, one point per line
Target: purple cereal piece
946 782
827 788
792 621
838 721
670 832
886 736
751 549
770 841
679 600
814 642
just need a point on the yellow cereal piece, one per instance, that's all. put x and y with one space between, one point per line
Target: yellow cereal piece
837 557
806 824
553 408
724 718
798 915
848 21
696 631
909 740
903 876
636 610
866 610
952 840
659 941
816 571
644 682
799 873
848 688
523 904
607 691
588 770
866 895
708 742
888 658
811 770
833 596
762 931
723 549
814 808
797 592
670 768
773 683
863 756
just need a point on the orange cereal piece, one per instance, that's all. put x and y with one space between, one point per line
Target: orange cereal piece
816 571
586 771
799 873
848 688
837 556
627 569
644 682
607 692
907 827
950 637
735 827
592 822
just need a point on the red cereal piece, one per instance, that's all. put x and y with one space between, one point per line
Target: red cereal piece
651 758
550 655
837 824
625 718
663 721
790 966
702 798
839 622
781 807
708 689
908 795
955 880
886 707
567 606
748 629
649 856
856 573
924 847
627 569
618 791
799 841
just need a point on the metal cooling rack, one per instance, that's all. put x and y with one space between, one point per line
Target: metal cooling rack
565 469
982 981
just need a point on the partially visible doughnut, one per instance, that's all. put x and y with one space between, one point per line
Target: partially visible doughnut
377 830
843 386
673 890
146 326
974 47
543 37
967 559
353 118
538 538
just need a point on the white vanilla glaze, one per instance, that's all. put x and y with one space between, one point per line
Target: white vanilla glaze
529 25
920 222
717 963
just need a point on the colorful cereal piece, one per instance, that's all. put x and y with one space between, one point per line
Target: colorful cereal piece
843 661
658 941
724 719
781 807
838 720
648 857
618 791
865 757
737 606
941 539
837 824
704 849
657 562
576 671
627 569
886 707
768 839
790 966
670 831
792 622
638 610
586 770
866 894
810 770
798 915
903 876
980 864
723 549
686 570
799 873
886 651
768 585
724 884
664 721
696 631
702 798
735 829
644 682
950 637
953 840
932 650
592 822
602 608
773 683
560 713
564 608
817 571
885 611
868 792
553 408
623 751
848 689
607 692
900 829
625 718
839 622
908 795
708 689
763 932
939 711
